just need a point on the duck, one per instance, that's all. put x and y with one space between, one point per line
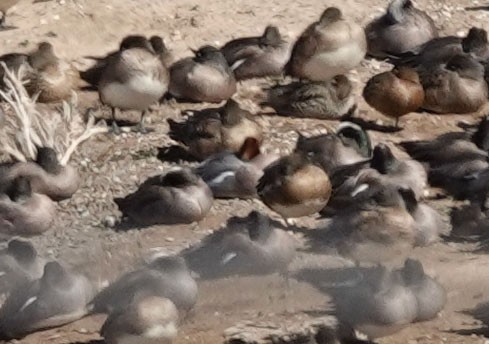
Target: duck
462 77
134 79
216 130
430 224
254 244
46 175
440 49
231 175
257 57
480 312
93 74
50 78
5 5
402 28
331 46
452 147
165 276
431 296
178 196
59 297
377 305
469 223
395 93
146 320
23 212
19 264
406 173
206 77
294 186
349 144
329 99
377 228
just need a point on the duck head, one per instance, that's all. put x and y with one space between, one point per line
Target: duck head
330 15
21 250
178 178
481 136
259 228
465 66
409 199
48 160
135 41
271 37
412 271
43 56
475 42
352 134
231 113
382 159
158 44
169 264
209 53
397 11
20 189
54 276
343 86
249 149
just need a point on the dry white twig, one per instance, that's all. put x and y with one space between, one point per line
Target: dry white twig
25 127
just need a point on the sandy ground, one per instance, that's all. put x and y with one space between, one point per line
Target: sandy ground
113 166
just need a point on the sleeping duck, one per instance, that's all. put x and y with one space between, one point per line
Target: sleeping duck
254 244
59 297
401 29
215 130
331 46
294 186
329 99
206 77
257 57
178 196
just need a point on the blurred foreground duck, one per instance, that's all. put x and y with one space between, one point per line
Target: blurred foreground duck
134 79
377 228
215 130
257 57
395 93
146 320
178 196
348 145
431 296
312 99
231 175
166 277
206 77
455 87
295 186
401 29
254 244
59 297
376 305
23 212
329 47
19 264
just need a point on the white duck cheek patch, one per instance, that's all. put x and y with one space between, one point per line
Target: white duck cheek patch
359 189
222 177
228 257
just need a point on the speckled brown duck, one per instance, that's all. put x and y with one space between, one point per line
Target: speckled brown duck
216 130
50 78
395 93
257 57
206 77
312 99
329 47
